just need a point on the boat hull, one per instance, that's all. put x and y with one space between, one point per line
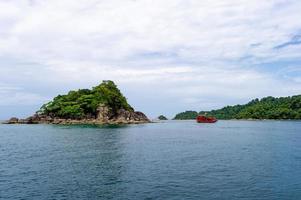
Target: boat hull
203 119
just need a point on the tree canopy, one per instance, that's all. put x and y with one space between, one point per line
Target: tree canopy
83 103
265 108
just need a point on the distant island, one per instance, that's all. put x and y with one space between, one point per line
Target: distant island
103 104
162 117
265 108
186 115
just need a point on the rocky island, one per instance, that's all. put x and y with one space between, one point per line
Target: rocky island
162 117
104 104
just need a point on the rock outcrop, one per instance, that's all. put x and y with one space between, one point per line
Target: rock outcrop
12 120
104 116
162 117
129 116
103 113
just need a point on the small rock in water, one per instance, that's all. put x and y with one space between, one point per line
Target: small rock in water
13 120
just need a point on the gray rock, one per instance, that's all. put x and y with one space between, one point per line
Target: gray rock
103 113
12 120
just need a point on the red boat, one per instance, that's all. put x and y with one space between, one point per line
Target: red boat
204 119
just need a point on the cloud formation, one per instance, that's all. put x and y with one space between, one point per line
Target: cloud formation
197 54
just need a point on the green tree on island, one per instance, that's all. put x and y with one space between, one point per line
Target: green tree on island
84 102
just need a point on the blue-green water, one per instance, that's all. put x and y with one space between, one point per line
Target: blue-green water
172 160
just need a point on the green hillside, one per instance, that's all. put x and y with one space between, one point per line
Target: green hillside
83 103
265 108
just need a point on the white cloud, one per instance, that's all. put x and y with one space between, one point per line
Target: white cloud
198 30
191 49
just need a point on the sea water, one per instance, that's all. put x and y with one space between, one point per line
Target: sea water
168 160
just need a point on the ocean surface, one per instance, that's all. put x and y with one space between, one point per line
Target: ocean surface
169 160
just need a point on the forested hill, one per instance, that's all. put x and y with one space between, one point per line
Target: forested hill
83 103
265 108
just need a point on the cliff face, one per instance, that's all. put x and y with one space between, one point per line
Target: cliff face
104 116
103 104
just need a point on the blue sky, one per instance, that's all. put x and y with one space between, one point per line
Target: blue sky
166 56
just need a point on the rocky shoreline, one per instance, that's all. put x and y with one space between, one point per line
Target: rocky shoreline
104 116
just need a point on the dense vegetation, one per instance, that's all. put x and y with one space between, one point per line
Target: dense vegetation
162 117
186 115
83 103
266 108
